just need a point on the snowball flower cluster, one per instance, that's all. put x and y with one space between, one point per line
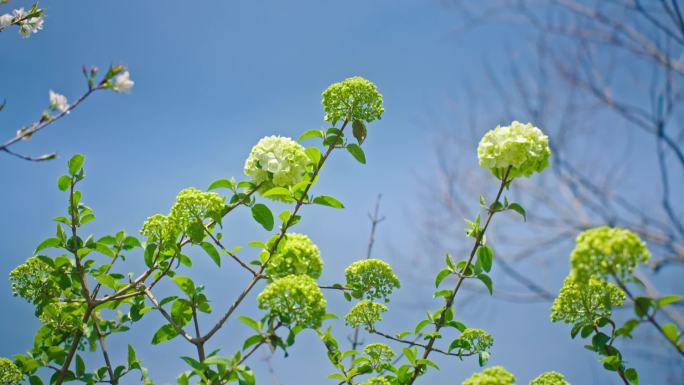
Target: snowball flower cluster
521 147
31 281
496 375
294 300
477 339
377 381
58 102
585 301
550 378
193 205
9 373
365 313
276 161
372 278
352 99
379 355
604 251
296 254
162 229
123 83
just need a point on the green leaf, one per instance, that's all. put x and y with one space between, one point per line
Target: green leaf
421 325
186 284
441 275
221 183
641 306
64 182
213 253
50 242
164 333
485 255
359 131
357 152
482 358
80 366
218 360
311 134
667 300
327 200
132 358
263 215
277 192
518 209
487 281
75 163
314 154
250 322
632 376
671 332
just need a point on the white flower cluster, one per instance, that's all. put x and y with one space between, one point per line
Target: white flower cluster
123 83
58 102
28 23
276 161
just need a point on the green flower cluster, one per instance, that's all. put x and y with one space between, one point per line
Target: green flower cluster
372 278
9 373
550 378
522 147
61 317
295 300
353 99
585 301
276 161
479 340
31 281
604 251
379 355
193 205
296 254
496 375
365 313
161 228
377 381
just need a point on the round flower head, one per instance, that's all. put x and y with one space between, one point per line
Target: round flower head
585 301
365 313
276 161
496 375
193 205
371 278
161 228
379 355
477 340
294 300
296 254
550 378
354 99
9 373
522 147
31 281
604 251
377 381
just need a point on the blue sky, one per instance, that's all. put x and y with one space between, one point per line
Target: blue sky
211 79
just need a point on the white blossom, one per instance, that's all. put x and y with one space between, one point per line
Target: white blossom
6 20
123 82
58 102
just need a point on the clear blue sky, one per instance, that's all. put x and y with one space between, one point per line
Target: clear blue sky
211 79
